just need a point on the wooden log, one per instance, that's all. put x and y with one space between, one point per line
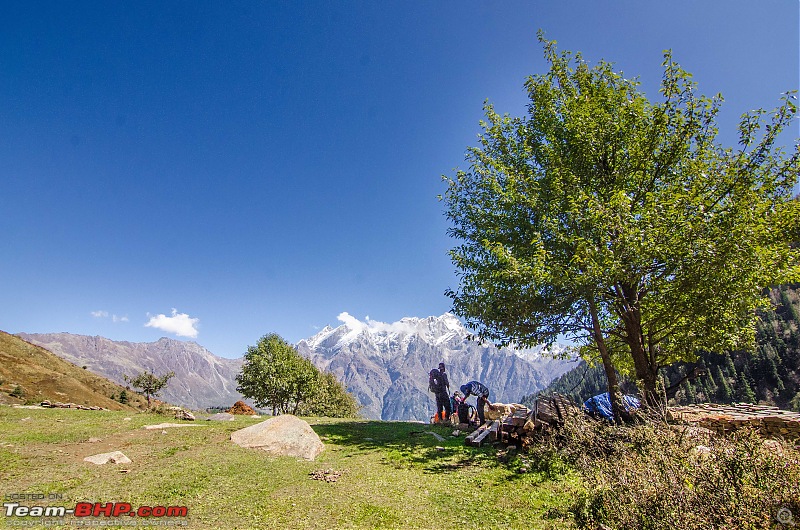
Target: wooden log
470 440
488 432
519 418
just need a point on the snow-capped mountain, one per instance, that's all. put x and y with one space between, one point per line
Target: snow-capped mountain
386 365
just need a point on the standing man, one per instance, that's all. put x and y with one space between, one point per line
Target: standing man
443 407
479 390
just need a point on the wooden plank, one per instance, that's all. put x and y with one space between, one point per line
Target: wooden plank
488 435
470 440
488 432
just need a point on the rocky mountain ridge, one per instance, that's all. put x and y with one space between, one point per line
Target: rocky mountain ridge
201 378
385 365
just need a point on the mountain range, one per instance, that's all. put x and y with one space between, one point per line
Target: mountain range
31 374
385 365
201 379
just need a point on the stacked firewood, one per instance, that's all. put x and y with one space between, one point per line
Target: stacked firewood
547 412
770 421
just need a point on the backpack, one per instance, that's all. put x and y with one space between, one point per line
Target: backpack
464 412
433 381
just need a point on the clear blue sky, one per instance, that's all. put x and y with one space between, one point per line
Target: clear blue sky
266 166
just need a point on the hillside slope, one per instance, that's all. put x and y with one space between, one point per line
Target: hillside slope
768 374
201 378
42 375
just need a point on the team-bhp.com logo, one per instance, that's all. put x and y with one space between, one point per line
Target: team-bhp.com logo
785 516
85 510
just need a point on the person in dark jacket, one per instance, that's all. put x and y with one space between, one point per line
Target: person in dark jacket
443 407
478 389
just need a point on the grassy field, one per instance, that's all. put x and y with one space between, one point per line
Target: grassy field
389 474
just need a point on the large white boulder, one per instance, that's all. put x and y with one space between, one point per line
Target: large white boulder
284 435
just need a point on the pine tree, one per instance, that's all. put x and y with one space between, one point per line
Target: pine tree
723 387
744 393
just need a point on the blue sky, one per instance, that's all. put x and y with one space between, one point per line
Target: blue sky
229 169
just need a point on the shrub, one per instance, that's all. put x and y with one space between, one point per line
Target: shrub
17 392
652 475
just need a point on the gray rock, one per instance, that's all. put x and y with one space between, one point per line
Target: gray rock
437 436
181 414
285 435
115 457
222 416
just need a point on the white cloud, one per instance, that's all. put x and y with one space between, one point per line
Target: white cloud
179 324
375 326
104 314
351 322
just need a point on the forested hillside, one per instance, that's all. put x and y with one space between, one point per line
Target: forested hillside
769 374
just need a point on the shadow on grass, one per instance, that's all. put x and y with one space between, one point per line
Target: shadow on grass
406 444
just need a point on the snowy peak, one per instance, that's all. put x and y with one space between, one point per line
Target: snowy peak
432 330
386 365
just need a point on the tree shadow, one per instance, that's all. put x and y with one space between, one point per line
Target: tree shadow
408 444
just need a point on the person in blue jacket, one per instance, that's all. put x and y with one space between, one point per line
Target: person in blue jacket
478 389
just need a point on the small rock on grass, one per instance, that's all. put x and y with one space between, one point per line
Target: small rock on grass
166 425
115 457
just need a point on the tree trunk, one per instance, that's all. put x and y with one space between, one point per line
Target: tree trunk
646 369
614 393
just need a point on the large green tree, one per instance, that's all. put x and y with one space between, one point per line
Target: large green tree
621 223
274 375
330 399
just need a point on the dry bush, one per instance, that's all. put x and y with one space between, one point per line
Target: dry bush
652 476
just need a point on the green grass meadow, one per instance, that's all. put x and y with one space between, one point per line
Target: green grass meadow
388 475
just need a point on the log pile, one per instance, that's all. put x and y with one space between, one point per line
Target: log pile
521 423
769 421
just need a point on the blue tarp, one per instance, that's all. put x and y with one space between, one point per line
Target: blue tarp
601 404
